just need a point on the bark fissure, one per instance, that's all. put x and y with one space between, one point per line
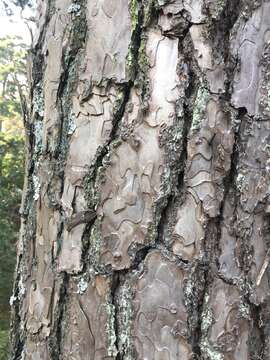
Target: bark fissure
114 289
257 342
56 343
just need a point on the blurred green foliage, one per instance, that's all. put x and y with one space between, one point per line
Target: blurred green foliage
3 344
11 183
12 87
12 83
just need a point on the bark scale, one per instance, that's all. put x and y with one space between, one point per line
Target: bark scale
145 216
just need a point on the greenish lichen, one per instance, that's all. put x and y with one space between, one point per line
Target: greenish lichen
150 8
74 9
131 62
207 320
142 80
199 108
95 248
137 61
116 143
78 26
216 8
90 192
110 328
82 286
36 186
244 310
94 180
210 353
171 139
38 132
143 60
22 288
124 321
134 13
71 126
240 182
38 100
95 243
119 101
189 289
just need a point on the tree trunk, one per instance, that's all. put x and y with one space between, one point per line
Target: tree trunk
145 216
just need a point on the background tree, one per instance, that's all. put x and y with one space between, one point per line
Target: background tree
12 83
145 214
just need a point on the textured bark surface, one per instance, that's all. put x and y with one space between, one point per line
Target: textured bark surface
145 216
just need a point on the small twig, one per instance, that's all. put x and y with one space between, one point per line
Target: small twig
263 268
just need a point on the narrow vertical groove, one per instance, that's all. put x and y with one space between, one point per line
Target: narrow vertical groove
56 342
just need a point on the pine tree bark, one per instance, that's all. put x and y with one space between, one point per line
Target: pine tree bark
145 215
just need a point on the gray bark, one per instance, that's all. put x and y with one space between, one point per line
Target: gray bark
145 216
